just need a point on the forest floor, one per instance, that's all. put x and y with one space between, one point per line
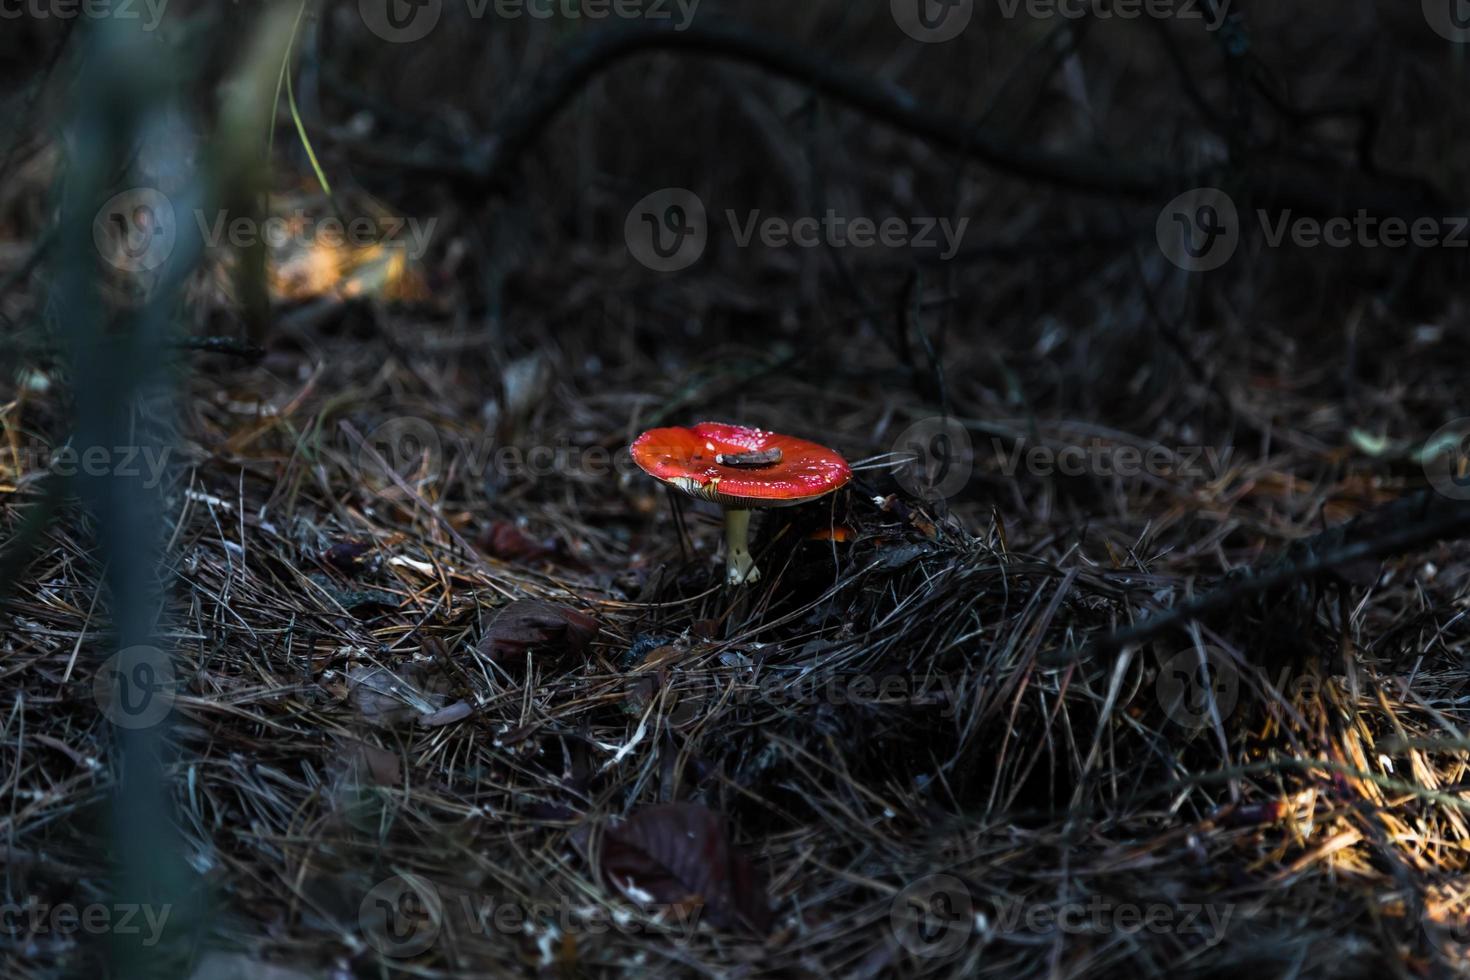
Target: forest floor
446 686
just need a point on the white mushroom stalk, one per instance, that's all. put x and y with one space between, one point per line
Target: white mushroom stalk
739 566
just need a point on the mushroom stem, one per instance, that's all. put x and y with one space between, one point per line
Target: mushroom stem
739 568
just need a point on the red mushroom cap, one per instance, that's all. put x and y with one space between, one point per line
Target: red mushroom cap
685 458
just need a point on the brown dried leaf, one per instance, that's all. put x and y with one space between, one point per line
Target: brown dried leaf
533 624
380 766
680 855
386 699
505 541
347 556
706 629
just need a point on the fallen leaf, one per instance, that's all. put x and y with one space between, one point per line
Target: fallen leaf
706 629
680 855
505 541
346 556
534 624
381 766
385 699
660 657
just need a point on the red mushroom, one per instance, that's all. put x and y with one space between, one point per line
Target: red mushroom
740 468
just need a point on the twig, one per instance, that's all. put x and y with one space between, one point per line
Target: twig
489 165
1439 517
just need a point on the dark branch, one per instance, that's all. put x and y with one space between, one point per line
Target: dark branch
490 165
1410 523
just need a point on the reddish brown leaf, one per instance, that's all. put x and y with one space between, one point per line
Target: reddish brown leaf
706 629
536 625
505 541
381 767
679 854
347 556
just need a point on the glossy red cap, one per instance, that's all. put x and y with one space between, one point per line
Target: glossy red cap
685 458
